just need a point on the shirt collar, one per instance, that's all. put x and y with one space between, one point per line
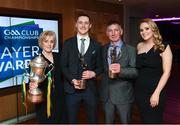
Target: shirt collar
80 37
118 44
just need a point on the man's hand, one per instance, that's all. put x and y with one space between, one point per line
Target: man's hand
115 68
88 74
76 84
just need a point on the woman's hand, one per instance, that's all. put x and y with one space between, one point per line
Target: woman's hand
154 100
33 85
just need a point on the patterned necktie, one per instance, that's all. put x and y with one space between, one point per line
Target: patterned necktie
82 50
113 54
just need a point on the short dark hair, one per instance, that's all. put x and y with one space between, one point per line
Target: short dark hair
83 14
113 22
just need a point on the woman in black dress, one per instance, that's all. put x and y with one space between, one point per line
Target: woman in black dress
47 41
154 60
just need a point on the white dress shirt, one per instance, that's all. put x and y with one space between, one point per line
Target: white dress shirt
86 42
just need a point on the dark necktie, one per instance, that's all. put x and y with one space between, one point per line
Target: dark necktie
82 50
114 51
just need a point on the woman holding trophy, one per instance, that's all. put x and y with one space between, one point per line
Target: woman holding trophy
51 108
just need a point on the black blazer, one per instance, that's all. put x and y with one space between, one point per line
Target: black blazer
71 65
119 90
56 75
58 112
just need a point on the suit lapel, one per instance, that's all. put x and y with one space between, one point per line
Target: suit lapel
106 56
73 49
123 53
90 48
75 45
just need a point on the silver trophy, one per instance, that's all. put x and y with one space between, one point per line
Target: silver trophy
37 74
113 58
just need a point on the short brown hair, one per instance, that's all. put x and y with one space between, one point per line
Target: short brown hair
83 14
111 22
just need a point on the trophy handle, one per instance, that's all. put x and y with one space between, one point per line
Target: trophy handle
50 69
26 72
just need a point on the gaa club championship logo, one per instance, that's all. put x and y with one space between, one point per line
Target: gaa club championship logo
18 45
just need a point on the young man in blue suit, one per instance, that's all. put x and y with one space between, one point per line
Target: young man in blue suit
116 90
78 66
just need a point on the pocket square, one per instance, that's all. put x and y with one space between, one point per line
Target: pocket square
93 52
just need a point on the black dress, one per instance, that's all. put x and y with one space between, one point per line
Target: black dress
150 70
58 113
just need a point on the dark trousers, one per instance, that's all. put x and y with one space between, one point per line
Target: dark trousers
58 111
73 102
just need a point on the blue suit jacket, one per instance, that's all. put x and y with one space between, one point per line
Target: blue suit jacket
71 65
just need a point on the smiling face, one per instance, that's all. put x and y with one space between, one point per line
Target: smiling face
114 32
83 25
146 31
47 41
48 44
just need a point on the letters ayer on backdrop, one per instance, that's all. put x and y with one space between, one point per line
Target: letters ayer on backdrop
17 47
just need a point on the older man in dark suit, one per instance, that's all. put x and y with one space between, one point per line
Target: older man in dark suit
116 89
81 61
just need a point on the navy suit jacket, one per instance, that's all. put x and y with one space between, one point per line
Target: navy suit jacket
71 65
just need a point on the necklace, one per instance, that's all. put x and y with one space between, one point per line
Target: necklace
49 56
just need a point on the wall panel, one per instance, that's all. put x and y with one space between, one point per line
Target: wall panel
8 102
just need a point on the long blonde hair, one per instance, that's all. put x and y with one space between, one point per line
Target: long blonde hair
157 36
